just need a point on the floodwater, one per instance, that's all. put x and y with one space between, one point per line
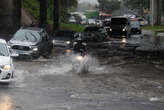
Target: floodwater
113 82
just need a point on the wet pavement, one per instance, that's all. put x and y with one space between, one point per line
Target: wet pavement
117 80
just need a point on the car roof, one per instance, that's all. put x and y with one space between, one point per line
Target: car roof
3 41
32 29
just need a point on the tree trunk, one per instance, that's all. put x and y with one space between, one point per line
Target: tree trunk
158 12
18 13
43 13
56 16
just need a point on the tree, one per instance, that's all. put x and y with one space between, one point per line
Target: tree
109 6
65 7
43 13
56 15
17 13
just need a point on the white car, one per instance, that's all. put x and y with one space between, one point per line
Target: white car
72 19
91 21
6 63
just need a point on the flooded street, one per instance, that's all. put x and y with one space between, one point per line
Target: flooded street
114 82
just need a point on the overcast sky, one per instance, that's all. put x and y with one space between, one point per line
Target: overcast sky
89 1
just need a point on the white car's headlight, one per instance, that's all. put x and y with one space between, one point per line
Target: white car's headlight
35 49
68 42
6 67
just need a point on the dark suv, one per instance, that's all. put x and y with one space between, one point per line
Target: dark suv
94 33
32 42
120 26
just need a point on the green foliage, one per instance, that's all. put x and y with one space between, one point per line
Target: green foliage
74 27
135 4
109 6
32 7
65 6
154 28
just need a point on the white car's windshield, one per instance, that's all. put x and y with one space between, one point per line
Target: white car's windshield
3 50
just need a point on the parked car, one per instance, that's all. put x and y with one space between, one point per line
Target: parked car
64 38
83 22
31 42
72 20
91 21
94 33
120 26
6 63
99 23
135 26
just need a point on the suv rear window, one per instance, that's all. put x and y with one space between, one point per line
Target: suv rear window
119 21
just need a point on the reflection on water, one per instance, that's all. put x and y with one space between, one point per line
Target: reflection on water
6 103
123 40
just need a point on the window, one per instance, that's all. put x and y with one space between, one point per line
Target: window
3 50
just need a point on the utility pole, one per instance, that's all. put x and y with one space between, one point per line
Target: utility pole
56 17
155 12
43 13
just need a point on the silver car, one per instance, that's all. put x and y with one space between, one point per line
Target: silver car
6 63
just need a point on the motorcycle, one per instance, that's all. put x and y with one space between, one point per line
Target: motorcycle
80 62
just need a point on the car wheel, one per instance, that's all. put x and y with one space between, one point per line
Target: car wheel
128 35
36 57
140 32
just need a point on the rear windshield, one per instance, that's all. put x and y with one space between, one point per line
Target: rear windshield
119 21
25 35
3 50
65 35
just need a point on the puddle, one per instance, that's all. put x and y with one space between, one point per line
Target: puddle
6 103
19 79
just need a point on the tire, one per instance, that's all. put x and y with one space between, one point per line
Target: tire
128 35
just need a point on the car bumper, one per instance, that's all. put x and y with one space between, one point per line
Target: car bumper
115 32
5 76
63 45
135 31
22 54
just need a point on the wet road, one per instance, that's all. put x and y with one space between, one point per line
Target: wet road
113 83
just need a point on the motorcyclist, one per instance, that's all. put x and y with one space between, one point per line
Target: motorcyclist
79 46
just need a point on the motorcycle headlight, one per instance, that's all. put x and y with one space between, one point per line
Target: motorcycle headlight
6 67
79 58
110 29
35 49
68 42
68 51
124 41
124 29
53 41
